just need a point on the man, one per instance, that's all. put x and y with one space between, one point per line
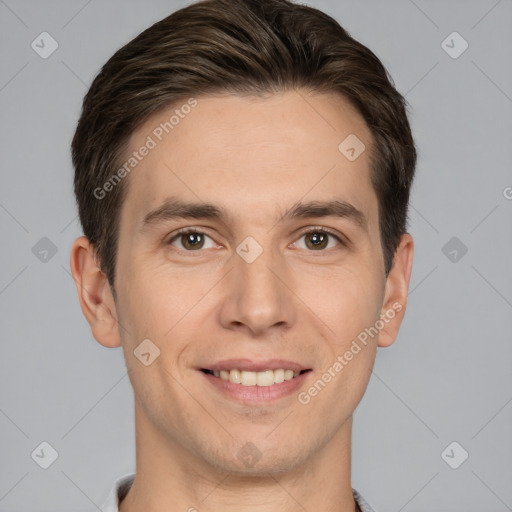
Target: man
242 173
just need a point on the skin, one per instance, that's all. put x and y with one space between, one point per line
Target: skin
255 157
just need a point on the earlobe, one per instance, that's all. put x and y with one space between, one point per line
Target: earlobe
397 287
94 294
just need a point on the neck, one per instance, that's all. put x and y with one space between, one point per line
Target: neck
170 477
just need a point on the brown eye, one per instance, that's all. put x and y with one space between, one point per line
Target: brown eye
319 239
191 240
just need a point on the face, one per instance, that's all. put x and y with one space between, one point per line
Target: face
260 280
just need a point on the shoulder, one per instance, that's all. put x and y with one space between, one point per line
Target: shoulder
363 505
117 493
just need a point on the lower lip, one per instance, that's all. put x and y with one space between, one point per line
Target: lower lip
256 394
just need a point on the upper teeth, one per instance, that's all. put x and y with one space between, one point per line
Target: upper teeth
266 378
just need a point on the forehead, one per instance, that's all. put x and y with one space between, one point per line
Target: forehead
251 153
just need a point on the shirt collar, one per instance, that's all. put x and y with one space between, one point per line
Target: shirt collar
122 486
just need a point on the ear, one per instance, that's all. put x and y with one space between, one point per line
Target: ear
395 294
94 293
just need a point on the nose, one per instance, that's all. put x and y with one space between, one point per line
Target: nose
257 297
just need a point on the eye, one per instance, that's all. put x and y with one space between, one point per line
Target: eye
317 239
191 240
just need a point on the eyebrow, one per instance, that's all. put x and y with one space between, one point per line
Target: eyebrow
173 209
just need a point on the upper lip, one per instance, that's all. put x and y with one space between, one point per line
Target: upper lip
251 365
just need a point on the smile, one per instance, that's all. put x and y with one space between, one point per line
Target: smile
249 378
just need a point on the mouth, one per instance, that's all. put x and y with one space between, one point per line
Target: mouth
252 382
255 378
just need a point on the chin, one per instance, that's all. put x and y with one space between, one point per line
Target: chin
259 458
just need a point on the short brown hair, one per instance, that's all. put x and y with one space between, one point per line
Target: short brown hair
244 47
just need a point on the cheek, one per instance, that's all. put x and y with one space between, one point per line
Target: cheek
346 300
162 306
156 299
349 305
153 308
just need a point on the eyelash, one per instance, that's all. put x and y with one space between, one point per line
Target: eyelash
184 231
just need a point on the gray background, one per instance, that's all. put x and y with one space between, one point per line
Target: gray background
448 376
